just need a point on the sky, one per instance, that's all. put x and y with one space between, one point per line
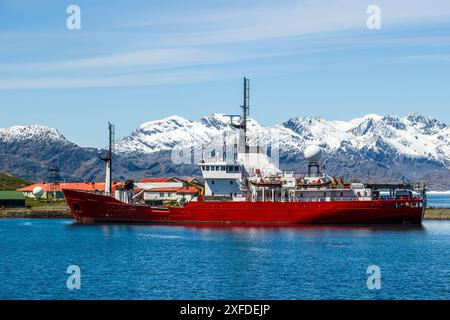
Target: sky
135 61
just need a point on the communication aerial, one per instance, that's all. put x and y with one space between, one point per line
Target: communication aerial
241 123
53 181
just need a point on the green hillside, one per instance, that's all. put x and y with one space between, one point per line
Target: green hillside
9 182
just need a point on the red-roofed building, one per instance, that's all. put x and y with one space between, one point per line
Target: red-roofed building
52 190
158 195
157 180
149 183
158 190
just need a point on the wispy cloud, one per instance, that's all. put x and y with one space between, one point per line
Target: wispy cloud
161 57
166 77
160 48
290 19
430 57
152 78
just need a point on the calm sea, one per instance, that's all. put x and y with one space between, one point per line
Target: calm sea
168 262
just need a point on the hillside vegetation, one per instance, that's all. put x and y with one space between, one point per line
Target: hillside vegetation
10 182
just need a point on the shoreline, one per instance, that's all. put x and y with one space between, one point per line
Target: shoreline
63 212
437 214
36 213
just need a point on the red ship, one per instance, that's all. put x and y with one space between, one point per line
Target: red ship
250 189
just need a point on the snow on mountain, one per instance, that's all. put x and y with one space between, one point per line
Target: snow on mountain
412 136
172 132
33 133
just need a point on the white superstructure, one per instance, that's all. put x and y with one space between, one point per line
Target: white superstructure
251 176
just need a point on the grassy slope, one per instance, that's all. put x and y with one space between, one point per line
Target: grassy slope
9 182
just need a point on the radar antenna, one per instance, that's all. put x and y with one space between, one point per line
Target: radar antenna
242 119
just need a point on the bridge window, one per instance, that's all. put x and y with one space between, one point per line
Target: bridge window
207 168
213 168
217 168
236 169
223 168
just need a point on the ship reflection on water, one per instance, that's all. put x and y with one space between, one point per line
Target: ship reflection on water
255 229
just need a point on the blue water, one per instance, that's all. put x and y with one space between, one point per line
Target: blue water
167 262
439 200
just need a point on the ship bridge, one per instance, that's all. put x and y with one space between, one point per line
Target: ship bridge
222 178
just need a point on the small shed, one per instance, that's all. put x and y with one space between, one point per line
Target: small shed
12 199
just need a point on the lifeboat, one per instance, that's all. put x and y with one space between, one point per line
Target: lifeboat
319 183
269 183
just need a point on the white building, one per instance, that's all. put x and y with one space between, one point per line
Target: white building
160 195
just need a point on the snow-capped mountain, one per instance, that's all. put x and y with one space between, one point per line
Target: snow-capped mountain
389 148
170 133
30 151
17 134
414 136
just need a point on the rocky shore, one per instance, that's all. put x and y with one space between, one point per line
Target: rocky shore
37 212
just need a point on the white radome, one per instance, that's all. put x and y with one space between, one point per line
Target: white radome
313 153
38 192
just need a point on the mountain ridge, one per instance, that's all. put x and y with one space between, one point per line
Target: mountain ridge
409 148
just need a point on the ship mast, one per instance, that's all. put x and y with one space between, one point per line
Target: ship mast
242 125
109 159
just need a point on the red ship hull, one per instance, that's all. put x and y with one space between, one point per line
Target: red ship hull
89 207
